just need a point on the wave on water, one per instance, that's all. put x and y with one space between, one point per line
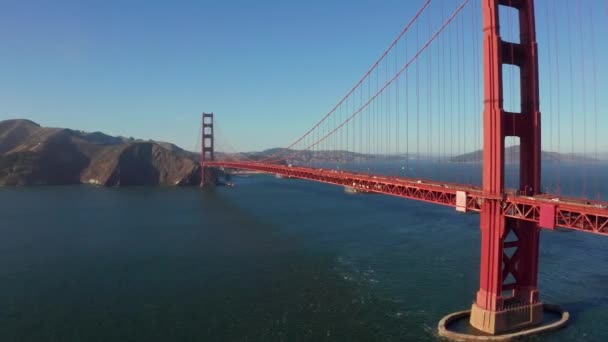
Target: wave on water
350 271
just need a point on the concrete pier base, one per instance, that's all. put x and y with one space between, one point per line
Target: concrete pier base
446 329
501 322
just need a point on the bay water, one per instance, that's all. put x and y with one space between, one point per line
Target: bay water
267 260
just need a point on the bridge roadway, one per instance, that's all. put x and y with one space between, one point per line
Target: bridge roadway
547 210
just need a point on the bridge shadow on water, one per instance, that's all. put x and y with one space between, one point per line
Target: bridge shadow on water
288 291
371 246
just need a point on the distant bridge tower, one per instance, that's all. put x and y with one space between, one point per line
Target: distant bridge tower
207 150
508 297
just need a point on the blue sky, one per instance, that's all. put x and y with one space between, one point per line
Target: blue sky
268 69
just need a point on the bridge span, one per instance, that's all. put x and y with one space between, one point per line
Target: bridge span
544 209
368 119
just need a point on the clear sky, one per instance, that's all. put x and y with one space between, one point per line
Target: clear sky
147 69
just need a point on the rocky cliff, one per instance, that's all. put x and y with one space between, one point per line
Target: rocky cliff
31 154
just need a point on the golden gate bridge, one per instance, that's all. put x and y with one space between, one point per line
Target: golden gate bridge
406 106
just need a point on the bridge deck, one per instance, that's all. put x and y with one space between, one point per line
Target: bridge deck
549 211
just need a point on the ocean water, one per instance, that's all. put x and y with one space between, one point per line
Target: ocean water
267 260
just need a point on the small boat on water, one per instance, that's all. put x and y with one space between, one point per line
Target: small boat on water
353 190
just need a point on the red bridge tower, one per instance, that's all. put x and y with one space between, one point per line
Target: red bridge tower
207 150
508 297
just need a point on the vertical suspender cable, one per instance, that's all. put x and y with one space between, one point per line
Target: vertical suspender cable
558 95
550 81
571 76
583 94
594 87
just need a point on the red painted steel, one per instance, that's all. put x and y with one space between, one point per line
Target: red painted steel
279 154
510 219
547 216
569 213
496 225
207 148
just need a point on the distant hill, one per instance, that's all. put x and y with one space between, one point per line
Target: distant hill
304 157
512 156
602 155
15 132
31 154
